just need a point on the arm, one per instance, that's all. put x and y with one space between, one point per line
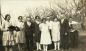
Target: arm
3 27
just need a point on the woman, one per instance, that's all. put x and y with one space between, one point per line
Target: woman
45 34
73 33
49 22
37 32
20 35
8 39
29 30
65 34
56 33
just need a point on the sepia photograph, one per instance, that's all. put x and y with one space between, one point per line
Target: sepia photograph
42 25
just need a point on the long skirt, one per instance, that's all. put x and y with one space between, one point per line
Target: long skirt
8 38
55 36
65 39
45 38
20 37
74 39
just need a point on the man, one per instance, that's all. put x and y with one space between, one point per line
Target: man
29 30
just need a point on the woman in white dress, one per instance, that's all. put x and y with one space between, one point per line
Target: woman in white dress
45 34
20 35
7 38
56 33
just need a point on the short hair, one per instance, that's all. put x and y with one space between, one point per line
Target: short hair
6 16
28 17
70 17
20 17
37 17
56 18
43 19
47 17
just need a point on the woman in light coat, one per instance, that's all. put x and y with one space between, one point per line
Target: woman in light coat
56 33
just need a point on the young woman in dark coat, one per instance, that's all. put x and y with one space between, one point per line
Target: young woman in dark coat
65 34
29 30
37 32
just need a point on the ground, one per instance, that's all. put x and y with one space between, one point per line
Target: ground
81 47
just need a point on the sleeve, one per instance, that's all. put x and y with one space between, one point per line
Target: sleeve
14 23
40 26
0 26
3 26
59 25
50 25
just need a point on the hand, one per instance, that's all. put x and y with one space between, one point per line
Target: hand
7 29
33 35
72 30
65 33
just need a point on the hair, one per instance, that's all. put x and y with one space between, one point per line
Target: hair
19 17
28 17
6 16
55 18
70 17
37 17
43 19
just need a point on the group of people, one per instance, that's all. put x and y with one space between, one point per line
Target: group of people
44 31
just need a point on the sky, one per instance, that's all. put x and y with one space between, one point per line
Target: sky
19 7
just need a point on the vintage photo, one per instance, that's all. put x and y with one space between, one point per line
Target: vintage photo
42 25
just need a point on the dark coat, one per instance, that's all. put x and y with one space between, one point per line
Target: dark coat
29 30
65 34
37 32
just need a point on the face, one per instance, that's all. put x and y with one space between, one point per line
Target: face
8 18
70 19
37 18
55 19
28 19
47 18
20 18
44 21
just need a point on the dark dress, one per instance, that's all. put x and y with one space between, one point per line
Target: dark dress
73 37
37 32
65 34
29 30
